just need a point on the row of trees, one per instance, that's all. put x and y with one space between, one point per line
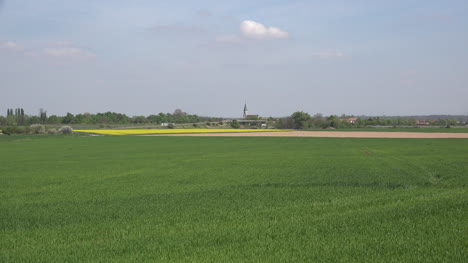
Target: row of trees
301 120
17 117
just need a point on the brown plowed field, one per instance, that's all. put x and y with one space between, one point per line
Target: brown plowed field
335 134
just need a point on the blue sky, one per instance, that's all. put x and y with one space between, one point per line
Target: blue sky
208 57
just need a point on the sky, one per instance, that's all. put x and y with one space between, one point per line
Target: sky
207 57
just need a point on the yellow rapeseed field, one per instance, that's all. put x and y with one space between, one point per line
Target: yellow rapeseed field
169 131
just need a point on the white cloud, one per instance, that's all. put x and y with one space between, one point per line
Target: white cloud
9 45
254 29
68 52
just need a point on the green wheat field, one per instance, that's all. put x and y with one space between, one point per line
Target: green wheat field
181 199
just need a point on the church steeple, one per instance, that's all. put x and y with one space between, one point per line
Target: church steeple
245 111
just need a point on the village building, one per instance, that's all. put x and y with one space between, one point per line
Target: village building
245 111
422 122
351 120
252 120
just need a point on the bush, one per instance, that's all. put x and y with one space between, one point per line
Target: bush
65 130
52 131
235 124
8 130
15 130
37 129
170 126
195 125
284 123
21 130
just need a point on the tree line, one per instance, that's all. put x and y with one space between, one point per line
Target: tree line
298 120
17 117
303 120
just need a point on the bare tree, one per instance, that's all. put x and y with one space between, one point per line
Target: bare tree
179 113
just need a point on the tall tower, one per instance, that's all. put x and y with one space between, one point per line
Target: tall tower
245 111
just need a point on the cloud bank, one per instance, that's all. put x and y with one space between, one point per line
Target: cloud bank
61 49
68 52
9 45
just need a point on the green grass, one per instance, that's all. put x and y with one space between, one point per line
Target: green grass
177 199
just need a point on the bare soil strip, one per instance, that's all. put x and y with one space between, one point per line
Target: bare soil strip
326 134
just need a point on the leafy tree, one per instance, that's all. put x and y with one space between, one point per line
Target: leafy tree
3 121
334 121
43 115
34 120
21 117
139 119
285 123
68 118
53 119
300 119
154 119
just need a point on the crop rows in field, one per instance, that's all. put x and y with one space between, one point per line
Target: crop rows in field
228 199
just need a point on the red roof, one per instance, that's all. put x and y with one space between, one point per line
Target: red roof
422 122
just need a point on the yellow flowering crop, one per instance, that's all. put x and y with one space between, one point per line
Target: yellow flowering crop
169 131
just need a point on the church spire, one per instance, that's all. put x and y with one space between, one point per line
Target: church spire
245 111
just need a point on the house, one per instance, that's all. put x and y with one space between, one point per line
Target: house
252 117
422 122
165 124
351 120
253 123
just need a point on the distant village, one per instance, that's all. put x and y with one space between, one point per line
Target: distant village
301 120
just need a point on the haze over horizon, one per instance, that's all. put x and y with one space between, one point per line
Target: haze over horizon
208 57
